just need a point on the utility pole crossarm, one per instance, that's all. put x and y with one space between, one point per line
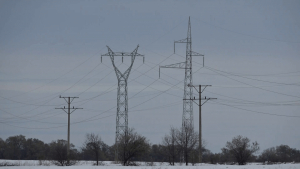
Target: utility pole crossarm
64 109
189 85
206 99
74 109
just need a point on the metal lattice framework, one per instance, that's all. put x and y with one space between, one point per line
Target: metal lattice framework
122 98
187 115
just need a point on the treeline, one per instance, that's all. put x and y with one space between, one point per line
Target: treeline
177 146
278 154
20 148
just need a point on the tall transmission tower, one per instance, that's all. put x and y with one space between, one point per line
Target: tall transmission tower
122 98
187 115
69 100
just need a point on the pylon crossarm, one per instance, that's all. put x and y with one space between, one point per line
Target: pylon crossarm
196 54
110 52
180 41
123 54
180 65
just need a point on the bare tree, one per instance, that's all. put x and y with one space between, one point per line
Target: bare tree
241 149
132 145
170 143
93 143
187 139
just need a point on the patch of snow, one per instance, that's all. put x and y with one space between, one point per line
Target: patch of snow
35 164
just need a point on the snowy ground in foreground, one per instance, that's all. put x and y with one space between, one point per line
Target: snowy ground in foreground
34 164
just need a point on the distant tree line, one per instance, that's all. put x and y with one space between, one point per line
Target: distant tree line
180 145
282 153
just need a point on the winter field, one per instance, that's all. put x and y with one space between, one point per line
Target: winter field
34 164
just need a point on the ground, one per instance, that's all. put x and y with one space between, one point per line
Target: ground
31 164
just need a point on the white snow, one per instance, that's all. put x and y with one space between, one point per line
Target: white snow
34 164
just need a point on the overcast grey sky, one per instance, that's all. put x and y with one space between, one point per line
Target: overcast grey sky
52 48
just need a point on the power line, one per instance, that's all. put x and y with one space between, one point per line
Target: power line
53 94
93 117
253 85
244 34
55 97
94 84
107 91
250 101
256 111
241 74
289 84
241 103
59 76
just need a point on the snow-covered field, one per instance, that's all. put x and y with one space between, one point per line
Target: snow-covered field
32 164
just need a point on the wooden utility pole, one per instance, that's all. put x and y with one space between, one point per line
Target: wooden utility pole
200 120
69 101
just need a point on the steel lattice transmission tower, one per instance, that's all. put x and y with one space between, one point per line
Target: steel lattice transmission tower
187 115
122 98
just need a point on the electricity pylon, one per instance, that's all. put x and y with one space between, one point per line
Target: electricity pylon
122 98
187 115
69 108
